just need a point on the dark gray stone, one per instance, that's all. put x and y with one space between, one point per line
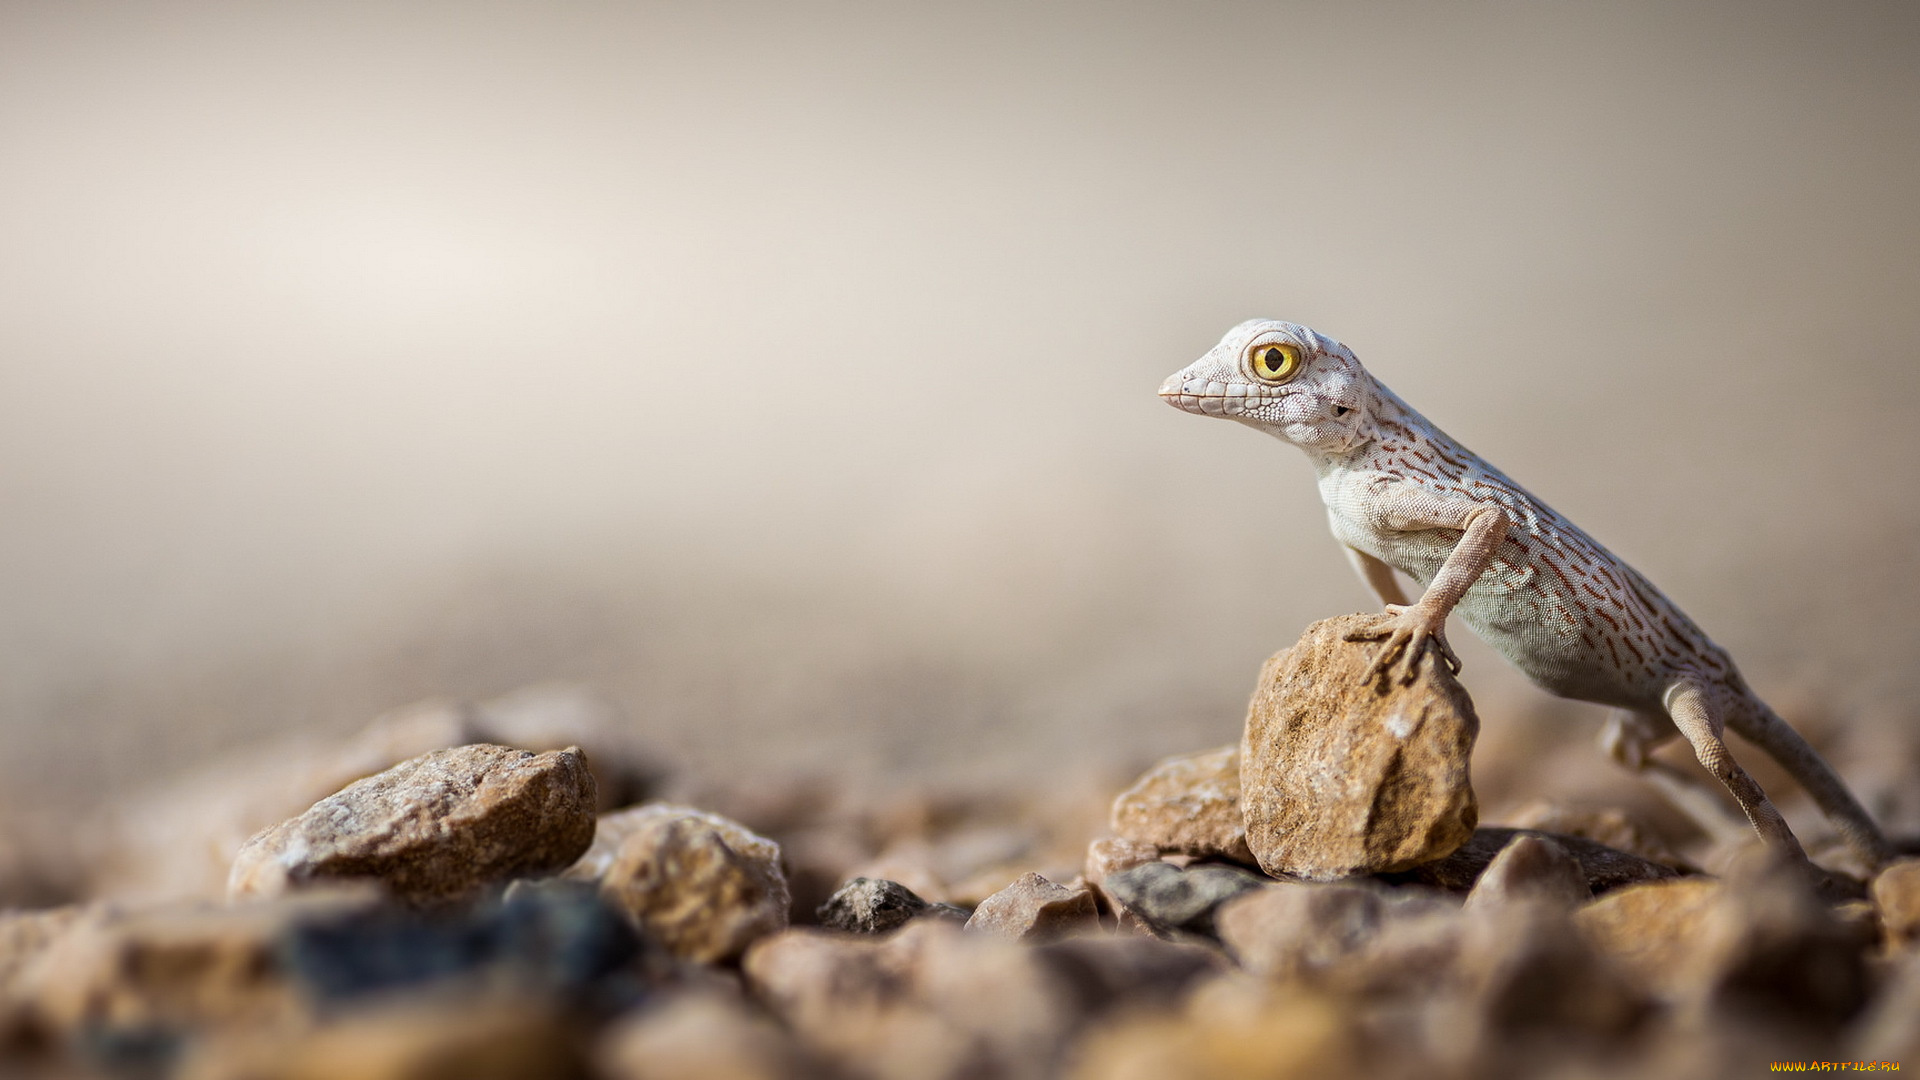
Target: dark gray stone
1168 898
876 905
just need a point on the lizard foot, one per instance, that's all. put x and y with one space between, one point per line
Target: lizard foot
1408 632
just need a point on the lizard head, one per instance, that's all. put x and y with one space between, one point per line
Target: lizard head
1283 379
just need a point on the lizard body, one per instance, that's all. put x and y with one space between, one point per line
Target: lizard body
1403 495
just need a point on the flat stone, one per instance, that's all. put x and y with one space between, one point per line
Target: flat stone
1896 896
1340 776
1170 899
1605 868
1035 909
439 829
702 885
1189 804
874 906
1531 869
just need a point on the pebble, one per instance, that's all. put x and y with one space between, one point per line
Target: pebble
1189 804
1896 896
1170 899
1530 869
700 884
1342 777
439 829
876 906
1035 909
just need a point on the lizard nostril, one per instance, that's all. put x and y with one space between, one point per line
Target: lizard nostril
1342 410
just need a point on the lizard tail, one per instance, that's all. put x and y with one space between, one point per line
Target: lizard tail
1763 727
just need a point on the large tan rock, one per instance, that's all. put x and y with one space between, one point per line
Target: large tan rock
702 885
438 829
1341 776
1189 804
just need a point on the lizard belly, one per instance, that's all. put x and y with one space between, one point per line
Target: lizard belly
1566 629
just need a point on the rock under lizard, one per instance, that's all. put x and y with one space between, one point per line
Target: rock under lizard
1576 620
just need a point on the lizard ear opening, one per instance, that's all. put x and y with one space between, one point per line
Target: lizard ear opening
1273 362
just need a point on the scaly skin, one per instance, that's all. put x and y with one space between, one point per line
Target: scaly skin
1403 495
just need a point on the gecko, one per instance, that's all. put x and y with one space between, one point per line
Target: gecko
1574 618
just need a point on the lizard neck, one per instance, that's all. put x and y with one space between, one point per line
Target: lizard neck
1390 429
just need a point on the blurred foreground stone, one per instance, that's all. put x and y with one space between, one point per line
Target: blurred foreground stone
1340 775
438 829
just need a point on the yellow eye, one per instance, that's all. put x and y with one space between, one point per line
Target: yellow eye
1275 363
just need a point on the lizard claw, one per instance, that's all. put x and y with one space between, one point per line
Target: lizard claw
1408 632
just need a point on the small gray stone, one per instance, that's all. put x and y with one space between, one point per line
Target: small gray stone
1168 898
875 906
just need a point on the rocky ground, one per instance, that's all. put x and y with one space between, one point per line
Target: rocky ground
517 889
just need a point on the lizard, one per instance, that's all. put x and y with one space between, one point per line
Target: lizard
1574 618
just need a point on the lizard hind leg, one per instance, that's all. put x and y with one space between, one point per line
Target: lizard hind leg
1764 728
1630 739
1695 713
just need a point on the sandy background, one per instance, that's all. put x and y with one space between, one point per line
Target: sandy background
787 371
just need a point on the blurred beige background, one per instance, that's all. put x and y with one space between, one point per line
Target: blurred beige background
787 371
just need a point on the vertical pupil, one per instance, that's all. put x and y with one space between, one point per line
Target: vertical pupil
1274 358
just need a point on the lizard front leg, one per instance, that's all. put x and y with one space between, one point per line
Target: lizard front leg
1412 628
